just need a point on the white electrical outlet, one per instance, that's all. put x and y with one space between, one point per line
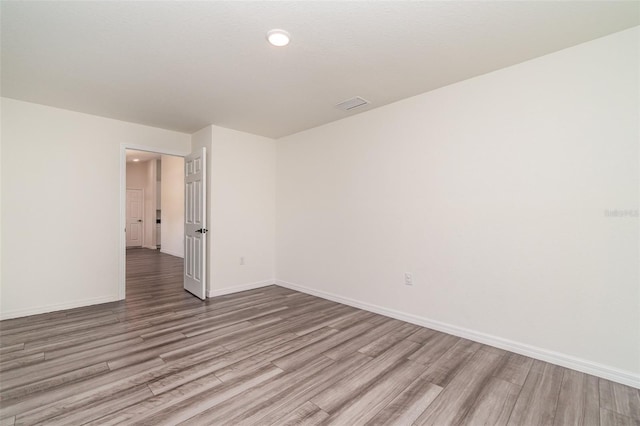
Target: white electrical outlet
242 260
408 278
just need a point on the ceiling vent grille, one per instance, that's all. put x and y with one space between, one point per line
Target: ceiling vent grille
352 103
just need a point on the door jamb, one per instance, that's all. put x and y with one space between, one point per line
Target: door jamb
122 272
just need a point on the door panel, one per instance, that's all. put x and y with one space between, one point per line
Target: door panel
195 231
135 213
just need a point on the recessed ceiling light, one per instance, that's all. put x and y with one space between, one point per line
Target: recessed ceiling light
135 160
278 37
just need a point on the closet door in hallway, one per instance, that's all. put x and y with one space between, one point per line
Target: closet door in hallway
135 212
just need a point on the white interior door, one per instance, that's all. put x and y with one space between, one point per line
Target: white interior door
134 231
195 231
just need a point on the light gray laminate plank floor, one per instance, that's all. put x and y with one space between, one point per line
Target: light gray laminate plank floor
273 356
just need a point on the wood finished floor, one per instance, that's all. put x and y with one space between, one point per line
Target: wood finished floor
274 356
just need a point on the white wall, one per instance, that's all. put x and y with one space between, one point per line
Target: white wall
492 192
137 175
172 205
242 208
60 204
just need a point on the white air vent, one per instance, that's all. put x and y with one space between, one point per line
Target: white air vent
352 103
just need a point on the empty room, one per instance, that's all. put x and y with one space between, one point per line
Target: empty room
320 213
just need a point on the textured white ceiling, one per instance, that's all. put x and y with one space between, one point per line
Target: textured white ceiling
184 65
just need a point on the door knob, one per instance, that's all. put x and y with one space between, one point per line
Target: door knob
202 230
139 220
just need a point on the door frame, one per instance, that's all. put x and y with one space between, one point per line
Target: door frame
122 245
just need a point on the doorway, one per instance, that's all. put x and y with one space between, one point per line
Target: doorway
151 214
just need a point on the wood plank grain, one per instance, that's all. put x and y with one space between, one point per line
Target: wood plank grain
92 397
266 356
456 400
177 413
355 343
349 320
375 397
100 408
194 344
50 368
353 384
33 389
307 414
273 409
611 418
577 403
619 398
10 348
445 368
217 357
162 402
70 393
287 381
8 421
210 322
42 332
493 404
24 361
382 343
433 348
326 321
537 402
514 369
422 335
297 358
405 408
14 355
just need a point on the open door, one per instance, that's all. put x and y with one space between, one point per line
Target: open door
195 231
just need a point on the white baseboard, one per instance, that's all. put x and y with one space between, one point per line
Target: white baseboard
56 307
604 371
238 288
150 247
172 253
